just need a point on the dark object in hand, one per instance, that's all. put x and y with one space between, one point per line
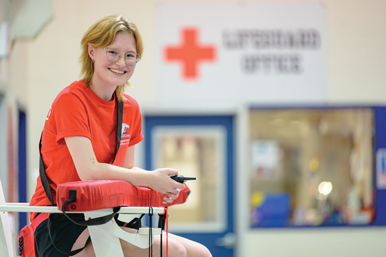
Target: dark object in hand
181 179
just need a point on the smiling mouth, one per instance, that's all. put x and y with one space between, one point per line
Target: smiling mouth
117 71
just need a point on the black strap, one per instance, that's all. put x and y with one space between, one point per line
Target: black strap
150 213
72 253
90 222
43 176
42 171
161 225
119 125
134 223
162 221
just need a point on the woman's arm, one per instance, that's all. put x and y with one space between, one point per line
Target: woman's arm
89 168
129 163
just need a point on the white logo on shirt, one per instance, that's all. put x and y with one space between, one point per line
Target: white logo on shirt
125 130
48 115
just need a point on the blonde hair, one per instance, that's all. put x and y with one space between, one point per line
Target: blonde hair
101 34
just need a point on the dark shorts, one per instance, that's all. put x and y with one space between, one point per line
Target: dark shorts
64 234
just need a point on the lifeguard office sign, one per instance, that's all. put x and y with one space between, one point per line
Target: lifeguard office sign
241 52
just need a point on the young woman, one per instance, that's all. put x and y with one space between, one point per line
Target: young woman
79 139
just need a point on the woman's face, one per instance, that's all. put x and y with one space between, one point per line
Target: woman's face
108 73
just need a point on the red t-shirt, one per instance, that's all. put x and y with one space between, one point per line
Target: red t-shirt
78 111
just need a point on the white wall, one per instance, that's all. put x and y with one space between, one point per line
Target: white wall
357 34
3 146
13 85
356 64
331 242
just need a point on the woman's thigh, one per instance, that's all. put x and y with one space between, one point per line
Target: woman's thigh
192 248
178 247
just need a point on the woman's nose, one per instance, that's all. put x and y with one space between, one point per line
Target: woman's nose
121 60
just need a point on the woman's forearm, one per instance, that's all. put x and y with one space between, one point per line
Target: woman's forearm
104 171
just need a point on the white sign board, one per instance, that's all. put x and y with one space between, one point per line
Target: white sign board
241 52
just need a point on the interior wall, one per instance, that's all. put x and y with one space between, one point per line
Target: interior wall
331 242
3 145
356 64
3 110
356 57
13 76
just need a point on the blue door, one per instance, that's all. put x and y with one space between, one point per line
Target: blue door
22 165
202 147
380 170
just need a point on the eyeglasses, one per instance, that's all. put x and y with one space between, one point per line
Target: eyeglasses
131 58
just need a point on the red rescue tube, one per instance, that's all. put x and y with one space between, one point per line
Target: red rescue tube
101 194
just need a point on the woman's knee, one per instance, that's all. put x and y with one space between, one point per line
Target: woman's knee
176 249
202 251
192 248
206 252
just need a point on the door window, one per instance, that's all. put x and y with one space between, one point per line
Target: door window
311 167
195 152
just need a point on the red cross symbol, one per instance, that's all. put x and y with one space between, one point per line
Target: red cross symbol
190 53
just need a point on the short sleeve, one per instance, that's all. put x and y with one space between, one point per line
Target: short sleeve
70 116
133 115
137 133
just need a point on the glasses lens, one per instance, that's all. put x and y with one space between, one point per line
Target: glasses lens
132 58
112 55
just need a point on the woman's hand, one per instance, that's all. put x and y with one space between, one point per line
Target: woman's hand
167 187
170 197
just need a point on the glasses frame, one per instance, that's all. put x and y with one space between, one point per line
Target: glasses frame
125 55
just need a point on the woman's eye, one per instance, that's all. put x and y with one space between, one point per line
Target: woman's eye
131 55
112 52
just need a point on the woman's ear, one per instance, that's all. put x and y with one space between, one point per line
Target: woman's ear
91 52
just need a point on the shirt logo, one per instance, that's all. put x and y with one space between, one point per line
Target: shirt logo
125 138
125 131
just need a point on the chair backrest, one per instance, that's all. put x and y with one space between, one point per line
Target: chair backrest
6 242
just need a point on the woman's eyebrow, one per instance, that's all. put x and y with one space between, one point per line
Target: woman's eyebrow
116 49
